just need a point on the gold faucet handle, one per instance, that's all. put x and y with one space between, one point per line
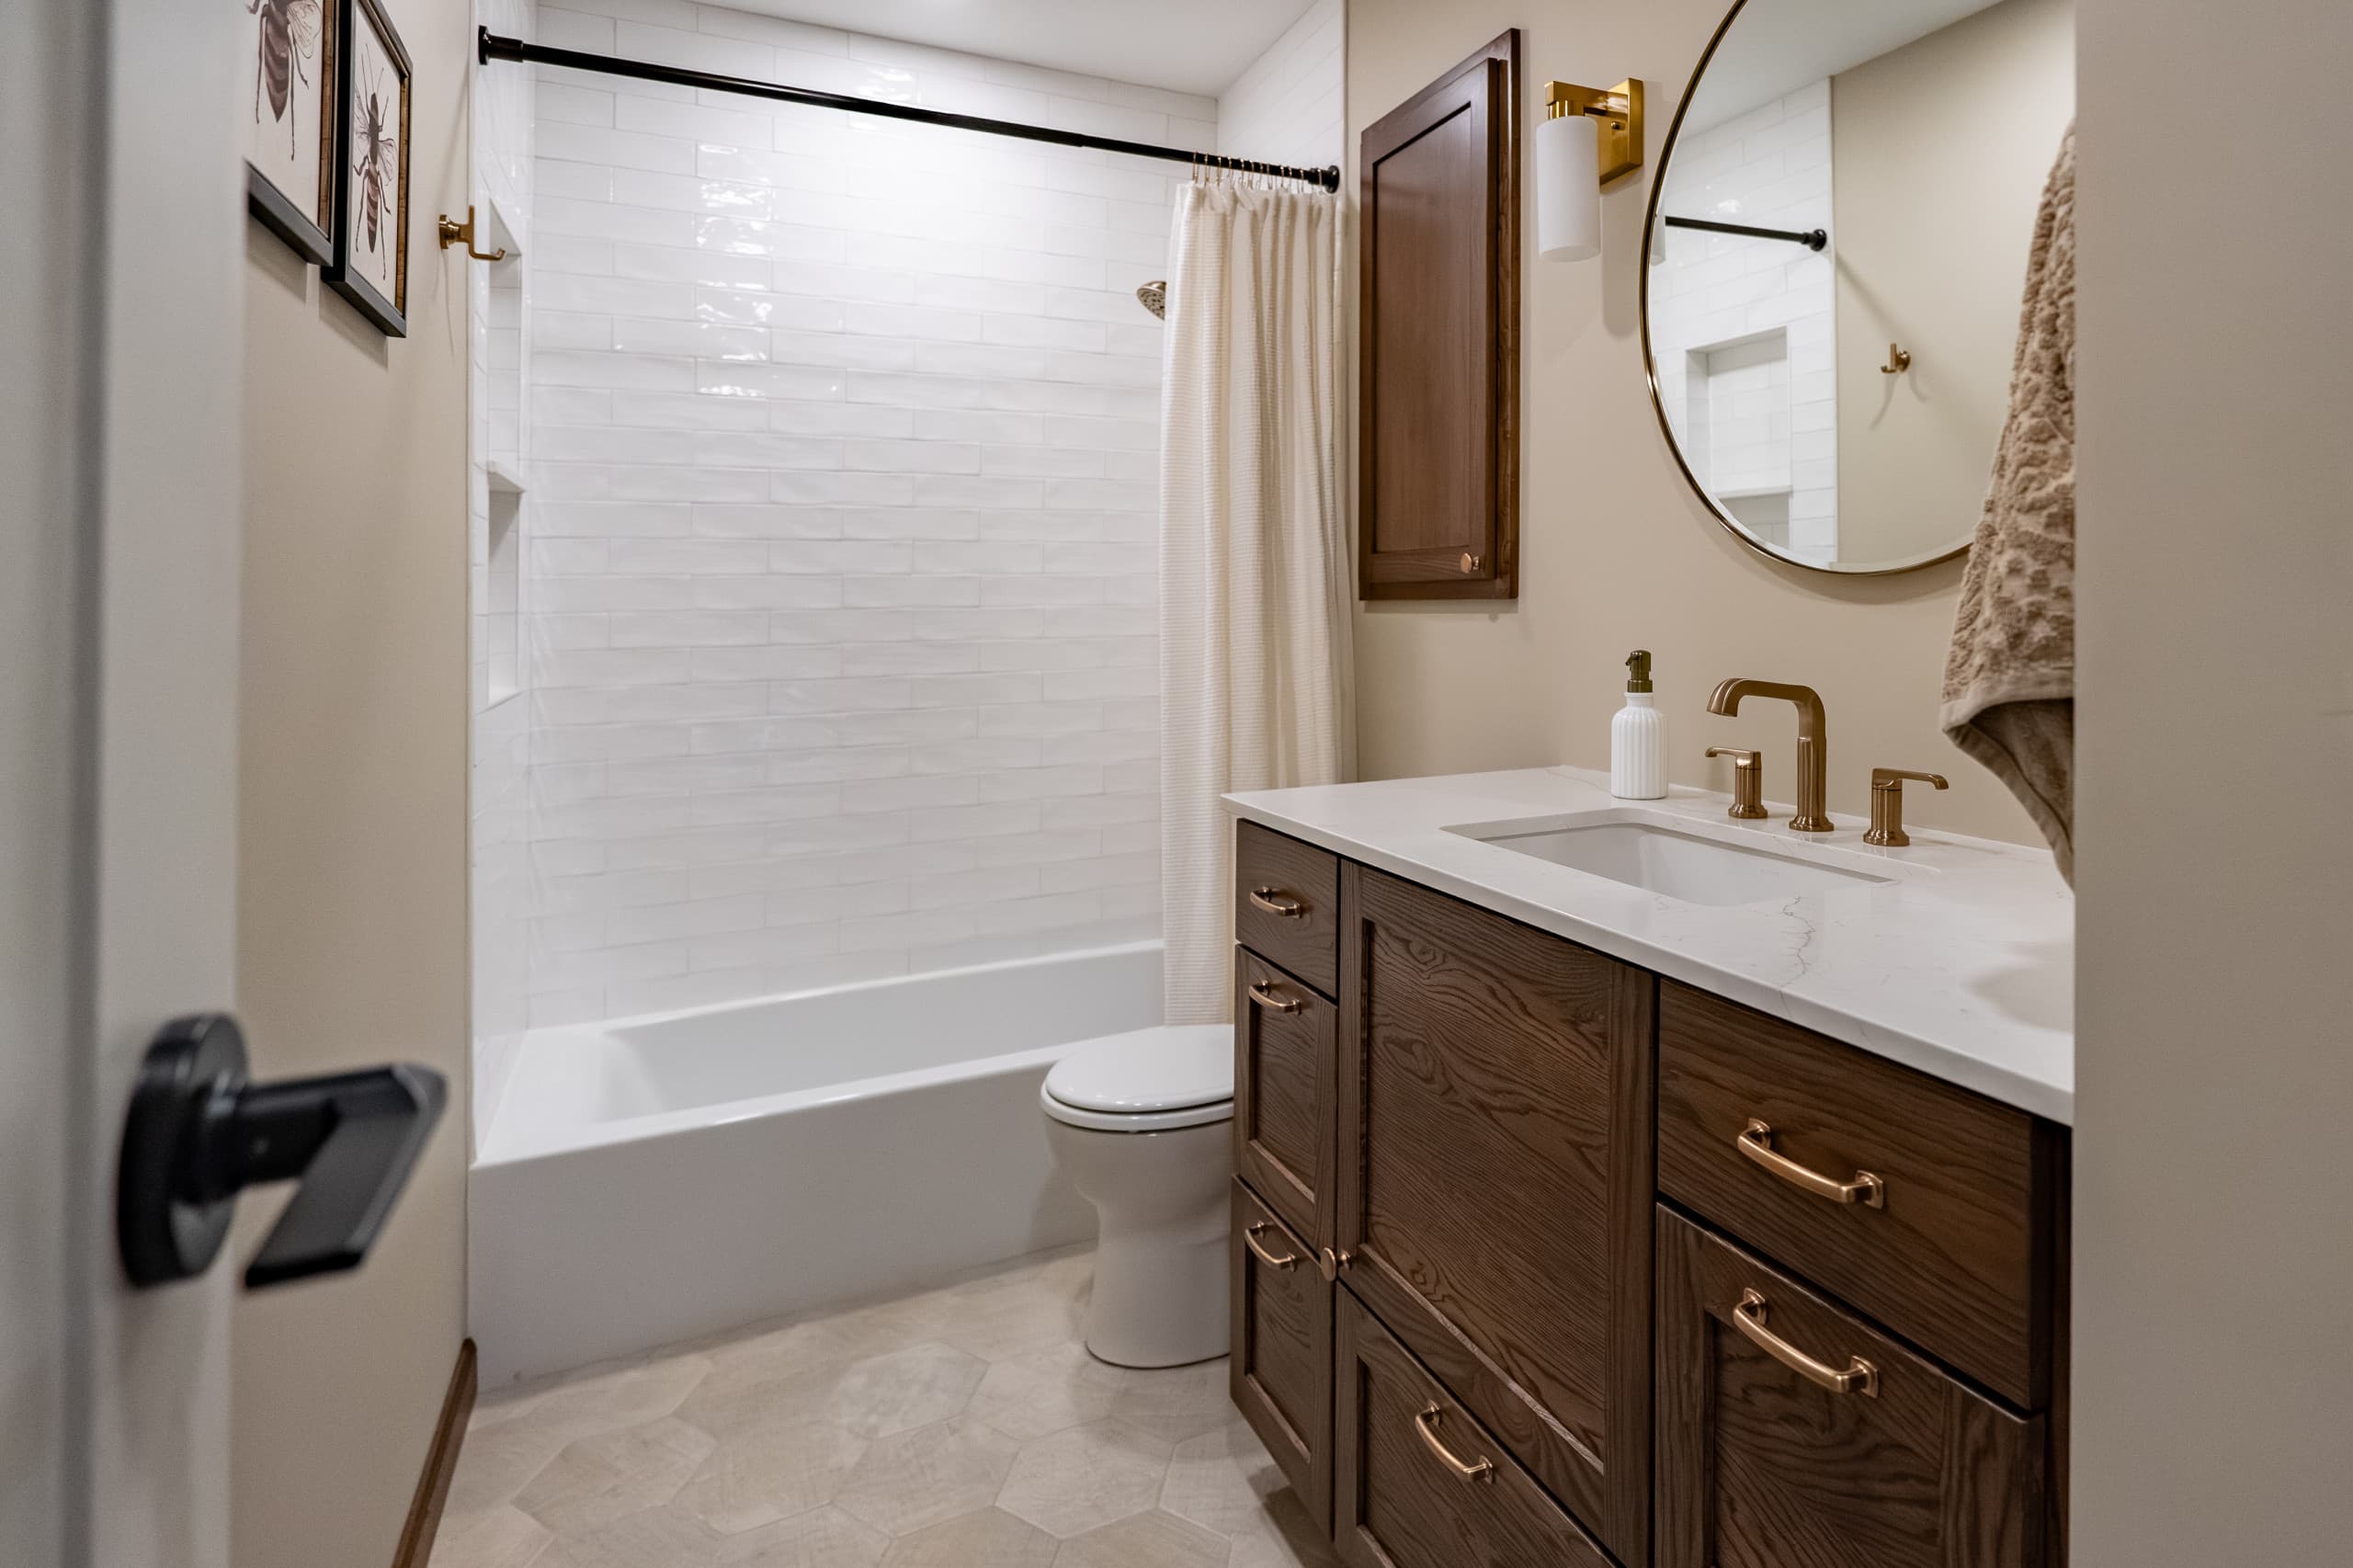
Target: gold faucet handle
1887 804
1747 781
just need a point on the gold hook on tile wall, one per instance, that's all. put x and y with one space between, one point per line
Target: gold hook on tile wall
454 233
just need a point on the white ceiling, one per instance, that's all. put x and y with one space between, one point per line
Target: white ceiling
1778 46
1186 46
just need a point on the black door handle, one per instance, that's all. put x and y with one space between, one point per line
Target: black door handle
200 1130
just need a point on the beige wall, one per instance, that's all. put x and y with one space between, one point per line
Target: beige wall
1939 150
1616 551
352 891
2213 1375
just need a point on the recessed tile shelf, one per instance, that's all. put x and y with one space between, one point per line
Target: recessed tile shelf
503 479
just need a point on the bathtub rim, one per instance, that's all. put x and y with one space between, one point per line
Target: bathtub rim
504 1143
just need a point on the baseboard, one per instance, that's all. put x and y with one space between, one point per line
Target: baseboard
441 1464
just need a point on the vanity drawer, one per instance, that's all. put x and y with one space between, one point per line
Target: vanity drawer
1287 904
1791 1433
1955 1249
1402 1495
1280 1374
1283 1078
1494 1181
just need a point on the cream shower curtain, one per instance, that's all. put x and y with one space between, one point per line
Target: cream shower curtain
1255 661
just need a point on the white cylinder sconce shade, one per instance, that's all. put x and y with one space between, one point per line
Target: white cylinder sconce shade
1568 189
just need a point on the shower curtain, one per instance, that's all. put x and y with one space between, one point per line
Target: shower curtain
1255 661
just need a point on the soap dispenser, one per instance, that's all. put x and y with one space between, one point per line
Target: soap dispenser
1637 738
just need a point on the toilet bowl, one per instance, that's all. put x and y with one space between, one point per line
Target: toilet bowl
1138 1122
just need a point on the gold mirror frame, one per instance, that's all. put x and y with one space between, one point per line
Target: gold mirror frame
1650 361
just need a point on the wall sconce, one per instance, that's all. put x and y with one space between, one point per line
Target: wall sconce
1589 138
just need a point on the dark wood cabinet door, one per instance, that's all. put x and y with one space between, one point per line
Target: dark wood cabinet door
1760 1465
1280 1374
1496 1180
1438 382
1284 1036
1401 1497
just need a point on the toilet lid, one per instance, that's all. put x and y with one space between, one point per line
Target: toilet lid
1174 1067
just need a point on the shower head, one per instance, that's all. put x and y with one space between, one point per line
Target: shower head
1155 299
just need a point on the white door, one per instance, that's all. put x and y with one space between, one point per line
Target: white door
120 293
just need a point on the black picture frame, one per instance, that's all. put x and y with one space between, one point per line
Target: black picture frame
280 212
389 314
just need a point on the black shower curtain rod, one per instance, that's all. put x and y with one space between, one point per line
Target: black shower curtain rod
1813 239
497 47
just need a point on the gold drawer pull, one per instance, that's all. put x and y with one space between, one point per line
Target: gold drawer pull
1250 1239
1861 1377
1755 1140
1267 997
1425 1424
1277 902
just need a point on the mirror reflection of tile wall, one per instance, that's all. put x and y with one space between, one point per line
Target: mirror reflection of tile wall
1746 329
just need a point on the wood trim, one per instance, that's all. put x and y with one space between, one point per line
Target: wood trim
441 1464
1497 103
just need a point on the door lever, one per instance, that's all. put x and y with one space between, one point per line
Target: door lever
200 1132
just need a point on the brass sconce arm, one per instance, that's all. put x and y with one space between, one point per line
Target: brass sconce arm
1619 109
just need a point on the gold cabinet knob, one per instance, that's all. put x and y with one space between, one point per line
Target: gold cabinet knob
1469 563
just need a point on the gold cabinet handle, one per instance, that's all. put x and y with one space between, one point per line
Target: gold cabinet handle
1426 1425
1755 1140
1859 1375
1276 901
1267 997
1250 1239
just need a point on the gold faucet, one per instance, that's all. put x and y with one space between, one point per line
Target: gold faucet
1814 744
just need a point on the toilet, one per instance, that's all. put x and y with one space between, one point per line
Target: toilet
1138 1123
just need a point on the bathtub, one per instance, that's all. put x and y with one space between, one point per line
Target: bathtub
653 1179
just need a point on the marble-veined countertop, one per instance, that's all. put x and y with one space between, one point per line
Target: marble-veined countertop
1962 965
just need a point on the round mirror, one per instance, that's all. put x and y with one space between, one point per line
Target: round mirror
1836 253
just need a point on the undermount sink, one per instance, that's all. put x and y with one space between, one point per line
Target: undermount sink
1672 856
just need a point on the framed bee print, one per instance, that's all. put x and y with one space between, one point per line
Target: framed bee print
288 57
371 169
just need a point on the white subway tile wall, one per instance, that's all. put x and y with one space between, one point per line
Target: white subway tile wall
1745 330
842 572
1291 106
498 321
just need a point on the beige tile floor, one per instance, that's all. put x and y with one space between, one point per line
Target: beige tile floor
962 1428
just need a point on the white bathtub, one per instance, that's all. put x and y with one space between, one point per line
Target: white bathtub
654 1179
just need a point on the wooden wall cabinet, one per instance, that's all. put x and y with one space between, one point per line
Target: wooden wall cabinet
1438 505
1512 1289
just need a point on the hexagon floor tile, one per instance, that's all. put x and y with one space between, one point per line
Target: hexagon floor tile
959 1427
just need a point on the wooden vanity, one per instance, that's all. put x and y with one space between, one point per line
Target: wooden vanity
1542 1258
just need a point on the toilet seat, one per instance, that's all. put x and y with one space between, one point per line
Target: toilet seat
1152 1080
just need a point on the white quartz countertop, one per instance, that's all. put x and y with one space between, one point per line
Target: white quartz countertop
1963 965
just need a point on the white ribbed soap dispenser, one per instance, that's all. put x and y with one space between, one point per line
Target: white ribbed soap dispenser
1637 738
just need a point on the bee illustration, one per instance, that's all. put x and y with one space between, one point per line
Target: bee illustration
376 166
286 38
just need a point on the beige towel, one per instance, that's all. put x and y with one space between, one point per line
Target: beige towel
2009 697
